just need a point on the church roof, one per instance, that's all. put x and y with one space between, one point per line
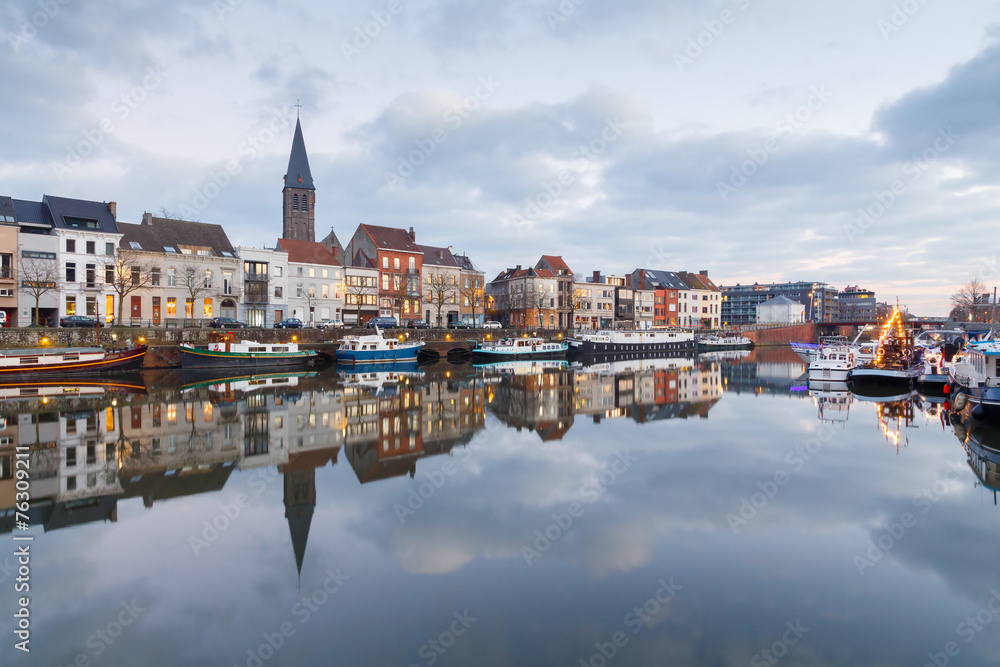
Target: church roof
298 174
308 252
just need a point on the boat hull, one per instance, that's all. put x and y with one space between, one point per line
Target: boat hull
597 347
199 358
113 362
504 355
387 356
882 377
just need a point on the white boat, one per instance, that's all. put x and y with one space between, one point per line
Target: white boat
519 348
383 381
726 342
228 351
620 366
896 362
613 341
832 363
376 348
523 366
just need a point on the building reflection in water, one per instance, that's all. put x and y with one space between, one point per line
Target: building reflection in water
94 445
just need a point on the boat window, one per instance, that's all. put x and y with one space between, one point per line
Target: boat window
29 360
71 357
259 348
281 348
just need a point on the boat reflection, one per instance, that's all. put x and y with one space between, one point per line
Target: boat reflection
832 399
981 441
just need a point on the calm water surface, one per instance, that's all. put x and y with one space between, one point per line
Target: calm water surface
678 512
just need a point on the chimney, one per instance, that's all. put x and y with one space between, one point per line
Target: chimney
518 268
597 276
704 272
413 236
147 218
113 207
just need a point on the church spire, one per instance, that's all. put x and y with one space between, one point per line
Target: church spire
298 174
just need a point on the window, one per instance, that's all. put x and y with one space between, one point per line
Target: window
395 263
277 292
326 291
109 248
171 277
295 202
208 308
136 276
227 282
305 202
91 248
453 279
298 289
154 277
70 305
466 282
171 306
413 264
385 282
278 271
189 307
207 282
91 306
70 245
326 274
298 270
385 262
312 272
71 272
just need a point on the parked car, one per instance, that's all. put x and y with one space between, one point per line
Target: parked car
78 321
3 319
225 323
335 323
381 322
289 323
493 324
417 324
456 324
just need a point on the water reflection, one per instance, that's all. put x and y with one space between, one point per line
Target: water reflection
190 445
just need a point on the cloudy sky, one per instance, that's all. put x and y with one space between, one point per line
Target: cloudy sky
851 142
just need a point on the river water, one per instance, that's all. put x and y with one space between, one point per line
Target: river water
709 511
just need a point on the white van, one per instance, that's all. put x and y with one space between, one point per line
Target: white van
3 318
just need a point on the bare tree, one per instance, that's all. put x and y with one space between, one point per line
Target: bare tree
404 287
196 286
359 290
439 292
255 291
129 272
968 298
473 294
38 276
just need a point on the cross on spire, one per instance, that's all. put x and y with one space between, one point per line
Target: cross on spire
297 107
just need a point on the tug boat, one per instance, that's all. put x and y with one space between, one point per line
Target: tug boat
620 341
519 348
227 351
62 360
376 348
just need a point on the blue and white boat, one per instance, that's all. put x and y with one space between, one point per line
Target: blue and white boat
376 348
974 379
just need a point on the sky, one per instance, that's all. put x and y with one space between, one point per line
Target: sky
853 143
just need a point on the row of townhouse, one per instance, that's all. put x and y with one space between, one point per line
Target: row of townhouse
61 257
550 295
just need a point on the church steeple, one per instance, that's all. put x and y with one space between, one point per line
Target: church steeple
300 501
299 194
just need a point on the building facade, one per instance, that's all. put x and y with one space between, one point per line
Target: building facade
398 259
739 302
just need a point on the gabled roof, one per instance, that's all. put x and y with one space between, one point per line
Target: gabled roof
655 279
307 252
31 212
391 238
71 213
438 256
555 263
511 274
298 174
698 281
7 209
362 260
164 235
